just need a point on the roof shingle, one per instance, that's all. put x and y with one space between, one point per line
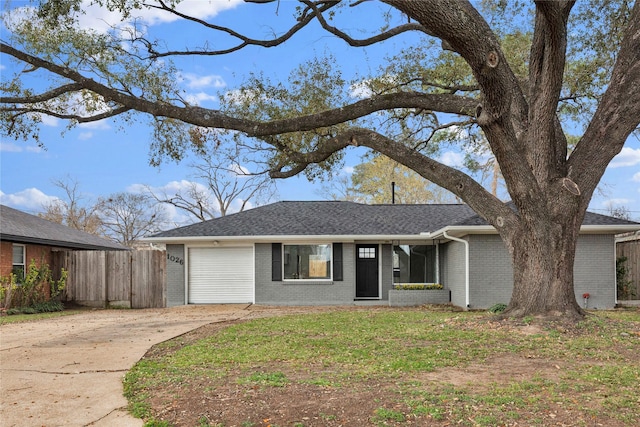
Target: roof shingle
21 227
324 218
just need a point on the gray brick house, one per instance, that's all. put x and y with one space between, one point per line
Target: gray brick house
335 252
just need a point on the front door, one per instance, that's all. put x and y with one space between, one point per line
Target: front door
367 271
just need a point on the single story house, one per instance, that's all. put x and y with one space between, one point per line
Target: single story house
25 237
338 252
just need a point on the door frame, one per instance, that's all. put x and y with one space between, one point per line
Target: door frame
378 270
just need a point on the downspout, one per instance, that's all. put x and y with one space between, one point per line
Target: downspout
466 273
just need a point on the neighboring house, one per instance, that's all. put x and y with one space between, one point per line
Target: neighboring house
332 252
25 237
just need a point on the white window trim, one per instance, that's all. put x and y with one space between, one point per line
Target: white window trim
308 280
24 258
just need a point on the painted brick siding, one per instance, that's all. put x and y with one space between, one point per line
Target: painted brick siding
387 271
308 293
594 270
175 275
491 273
452 273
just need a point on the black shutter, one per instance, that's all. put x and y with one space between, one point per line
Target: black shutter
337 262
276 262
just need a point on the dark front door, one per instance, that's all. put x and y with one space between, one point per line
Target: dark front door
367 271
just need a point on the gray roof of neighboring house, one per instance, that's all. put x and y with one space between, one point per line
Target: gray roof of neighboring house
20 227
314 218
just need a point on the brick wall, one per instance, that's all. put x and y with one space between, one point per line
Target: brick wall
6 258
307 293
387 271
452 271
176 284
39 253
491 274
594 270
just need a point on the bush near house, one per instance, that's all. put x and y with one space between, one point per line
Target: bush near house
625 290
36 292
417 286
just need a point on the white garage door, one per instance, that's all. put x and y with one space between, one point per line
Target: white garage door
220 275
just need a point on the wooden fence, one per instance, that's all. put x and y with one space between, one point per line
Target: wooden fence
629 247
134 279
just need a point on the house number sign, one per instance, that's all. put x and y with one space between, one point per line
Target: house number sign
175 259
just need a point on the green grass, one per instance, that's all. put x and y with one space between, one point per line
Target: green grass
592 369
21 318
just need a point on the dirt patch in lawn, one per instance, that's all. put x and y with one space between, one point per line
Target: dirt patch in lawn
442 397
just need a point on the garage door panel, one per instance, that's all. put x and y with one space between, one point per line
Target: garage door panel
221 275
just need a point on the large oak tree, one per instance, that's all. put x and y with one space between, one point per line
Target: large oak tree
517 102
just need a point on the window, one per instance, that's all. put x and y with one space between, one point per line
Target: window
307 262
18 261
366 253
414 264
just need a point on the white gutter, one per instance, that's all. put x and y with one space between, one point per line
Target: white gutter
291 238
466 273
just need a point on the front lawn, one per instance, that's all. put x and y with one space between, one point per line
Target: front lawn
394 367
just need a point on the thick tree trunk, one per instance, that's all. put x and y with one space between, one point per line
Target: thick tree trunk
543 255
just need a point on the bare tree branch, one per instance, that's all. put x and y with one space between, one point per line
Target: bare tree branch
362 42
244 41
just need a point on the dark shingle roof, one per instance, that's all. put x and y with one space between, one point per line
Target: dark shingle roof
314 218
327 218
590 218
20 227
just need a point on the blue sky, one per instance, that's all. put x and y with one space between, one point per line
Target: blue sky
105 160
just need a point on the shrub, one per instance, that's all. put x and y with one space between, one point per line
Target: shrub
498 308
417 286
625 290
30 290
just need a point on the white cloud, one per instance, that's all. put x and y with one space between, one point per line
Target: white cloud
85 136
199 98
49 120
347 170
241 96
195 81
99 125
616 202
170 189
360 90
30 199
238 171
12 147
453 159
627 157
636 178
102 20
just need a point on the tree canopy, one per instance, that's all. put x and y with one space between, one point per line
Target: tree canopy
513 77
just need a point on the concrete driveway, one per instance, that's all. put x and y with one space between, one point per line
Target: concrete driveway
68 371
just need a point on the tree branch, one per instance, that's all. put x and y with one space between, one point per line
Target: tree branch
46 96
198 116
77 118
244 41
617 115
547 61
444 176
362 42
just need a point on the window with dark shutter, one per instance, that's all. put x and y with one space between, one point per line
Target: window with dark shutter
337 262
276 262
